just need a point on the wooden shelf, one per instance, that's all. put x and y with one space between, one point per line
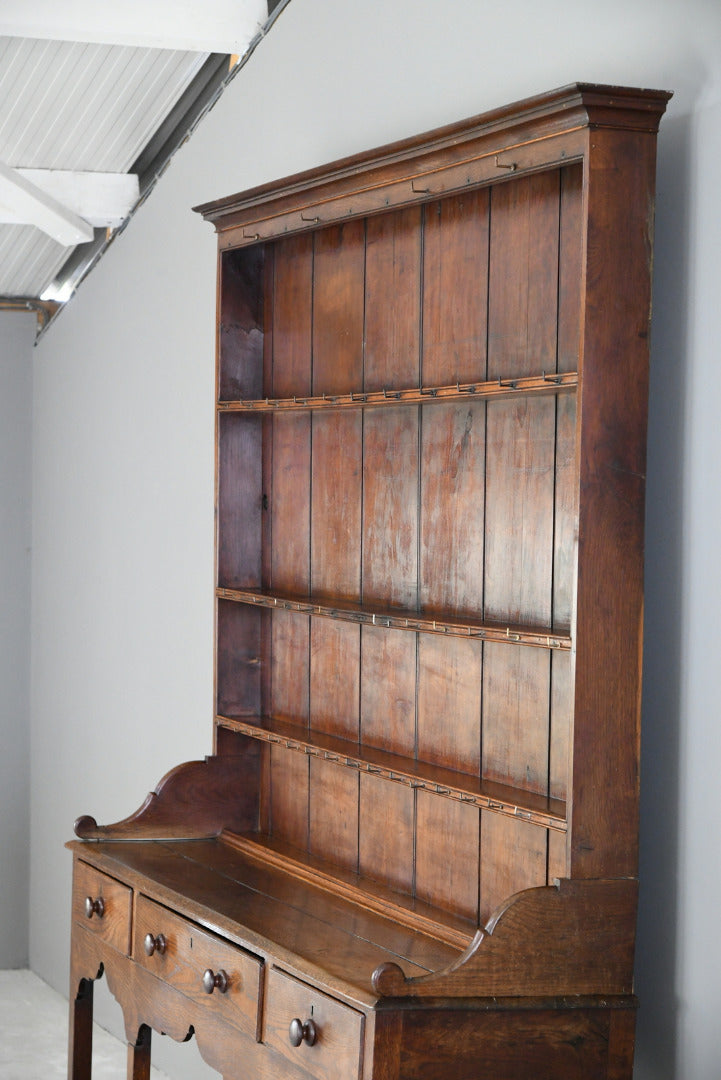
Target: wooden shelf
357 889
448 783
425 622
421 395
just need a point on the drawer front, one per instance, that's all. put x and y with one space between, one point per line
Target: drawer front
102 905
336 1028
186 954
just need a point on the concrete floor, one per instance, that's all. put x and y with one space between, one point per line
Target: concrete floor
34 1033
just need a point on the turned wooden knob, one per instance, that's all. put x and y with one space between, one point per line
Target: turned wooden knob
155 944
215 980
299 1032
94 907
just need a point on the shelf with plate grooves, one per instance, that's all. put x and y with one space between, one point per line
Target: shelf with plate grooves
501 799
493 389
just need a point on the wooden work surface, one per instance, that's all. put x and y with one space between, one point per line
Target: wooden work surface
261 908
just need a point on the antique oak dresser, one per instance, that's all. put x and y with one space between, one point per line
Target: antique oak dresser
412 854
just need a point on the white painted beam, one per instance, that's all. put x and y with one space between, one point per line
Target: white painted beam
220 26
104 200
33 206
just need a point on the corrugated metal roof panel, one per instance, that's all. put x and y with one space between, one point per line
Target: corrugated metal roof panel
28 260
69 105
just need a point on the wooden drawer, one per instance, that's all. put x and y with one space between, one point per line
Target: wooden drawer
185 956
336 1052
102 905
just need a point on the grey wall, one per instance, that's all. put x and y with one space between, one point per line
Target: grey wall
123 428
17 333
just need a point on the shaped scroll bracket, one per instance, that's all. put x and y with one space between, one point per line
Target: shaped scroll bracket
572 938
193 801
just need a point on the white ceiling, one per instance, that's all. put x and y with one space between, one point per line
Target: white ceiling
90 92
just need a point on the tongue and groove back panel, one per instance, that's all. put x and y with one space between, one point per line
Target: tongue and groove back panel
463 508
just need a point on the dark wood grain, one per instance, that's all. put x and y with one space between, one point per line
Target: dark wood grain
418 832
455 277
386 820
192 800
450 881
390 508
392 330
240 330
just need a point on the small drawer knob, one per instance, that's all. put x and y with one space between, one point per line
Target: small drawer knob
155 944
94 907
215 980
300 1032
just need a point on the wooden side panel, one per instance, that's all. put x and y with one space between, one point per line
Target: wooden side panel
240 500
238 653
455 276
612 433
392 329
509 1044
566 501
240 333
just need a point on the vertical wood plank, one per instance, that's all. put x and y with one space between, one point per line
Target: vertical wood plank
452 512
570 270
455 276
516 692
336 505
447 854
336 508
392 330
339 267
334 813
290 659
523 276
449 702
386 832
388 690
292 316
519 511
290 507
290 510
522 337
335 678
289 796
520 486
513 857
390 507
